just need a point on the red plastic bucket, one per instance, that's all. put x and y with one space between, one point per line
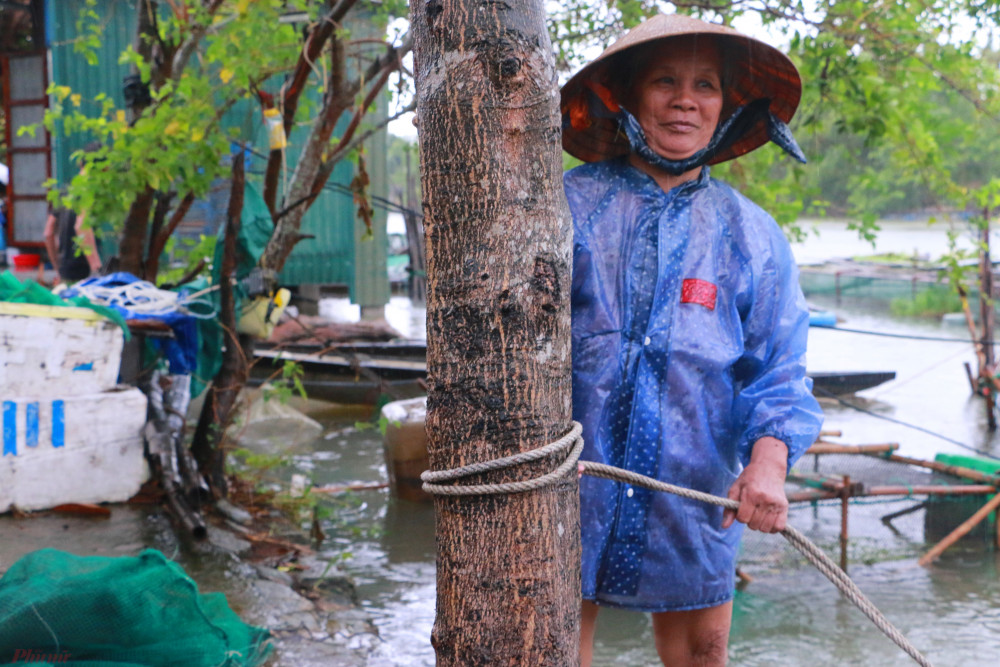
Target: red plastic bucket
26 261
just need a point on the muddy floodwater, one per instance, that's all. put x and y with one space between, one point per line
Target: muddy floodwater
789 615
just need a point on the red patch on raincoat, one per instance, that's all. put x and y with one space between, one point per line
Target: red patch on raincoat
698 291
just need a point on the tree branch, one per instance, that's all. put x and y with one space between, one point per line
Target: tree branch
187 48
304 182
381 69
152 265
159 241
291 91
344 149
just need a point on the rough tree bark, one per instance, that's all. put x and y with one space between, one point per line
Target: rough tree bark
217 410
498 261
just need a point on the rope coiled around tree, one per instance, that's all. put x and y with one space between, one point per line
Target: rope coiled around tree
572 445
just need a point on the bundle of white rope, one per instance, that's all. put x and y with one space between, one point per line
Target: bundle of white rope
572 444
145 298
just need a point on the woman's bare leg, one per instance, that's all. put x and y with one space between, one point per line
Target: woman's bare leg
588 622
695 638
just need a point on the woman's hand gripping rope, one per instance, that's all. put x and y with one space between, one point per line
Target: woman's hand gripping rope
573 442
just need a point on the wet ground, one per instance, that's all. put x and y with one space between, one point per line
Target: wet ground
788 615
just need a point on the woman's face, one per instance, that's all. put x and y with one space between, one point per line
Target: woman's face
677 97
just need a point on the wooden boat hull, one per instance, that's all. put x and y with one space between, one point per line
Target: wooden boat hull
355 373
363 372
841 383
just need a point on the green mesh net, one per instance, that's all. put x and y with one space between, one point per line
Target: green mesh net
61 609
14 291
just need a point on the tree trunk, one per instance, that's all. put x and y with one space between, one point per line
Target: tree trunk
498 260
132 246
417 283
217 410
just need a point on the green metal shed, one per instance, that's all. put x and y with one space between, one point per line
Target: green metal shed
335 255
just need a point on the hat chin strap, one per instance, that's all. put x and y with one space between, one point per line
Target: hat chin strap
732 130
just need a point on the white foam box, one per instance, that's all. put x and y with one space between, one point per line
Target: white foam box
57 351
71 449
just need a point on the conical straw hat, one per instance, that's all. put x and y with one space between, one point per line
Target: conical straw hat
757 70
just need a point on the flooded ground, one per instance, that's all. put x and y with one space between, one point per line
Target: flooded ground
786 616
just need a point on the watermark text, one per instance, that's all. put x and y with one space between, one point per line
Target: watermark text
29 655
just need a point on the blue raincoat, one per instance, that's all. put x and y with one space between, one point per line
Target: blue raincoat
689 338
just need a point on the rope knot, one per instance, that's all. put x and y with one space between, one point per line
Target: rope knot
572 441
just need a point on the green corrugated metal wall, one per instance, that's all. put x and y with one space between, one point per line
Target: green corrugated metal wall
70 69
336 254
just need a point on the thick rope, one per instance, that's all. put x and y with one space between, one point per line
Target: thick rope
571 439
574 443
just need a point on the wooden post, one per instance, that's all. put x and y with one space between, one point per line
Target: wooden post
498 328
962 530
972 378
996 524
986 314
845 496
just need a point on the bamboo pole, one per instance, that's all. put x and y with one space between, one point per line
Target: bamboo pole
810 496
845 497
813 495
985 372
972 378
344 488
957 471
822 447
962 530
835 483
931 490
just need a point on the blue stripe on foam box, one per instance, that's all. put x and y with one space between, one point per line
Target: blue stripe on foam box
9 428
58 424
31 424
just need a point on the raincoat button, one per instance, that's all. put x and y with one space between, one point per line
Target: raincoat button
630 491
647 341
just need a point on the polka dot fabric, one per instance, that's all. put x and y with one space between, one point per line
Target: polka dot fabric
676 390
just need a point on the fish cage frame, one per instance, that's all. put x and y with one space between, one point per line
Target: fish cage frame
963 482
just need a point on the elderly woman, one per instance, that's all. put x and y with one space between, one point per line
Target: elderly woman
689 327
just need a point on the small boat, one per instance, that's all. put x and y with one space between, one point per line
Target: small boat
835 383
348 373
361 372
818 317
